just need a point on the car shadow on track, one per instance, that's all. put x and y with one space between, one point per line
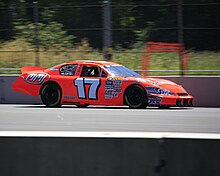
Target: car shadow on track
101 107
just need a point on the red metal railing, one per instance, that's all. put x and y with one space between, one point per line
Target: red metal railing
159 47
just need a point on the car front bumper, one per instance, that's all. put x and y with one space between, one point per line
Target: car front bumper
179 101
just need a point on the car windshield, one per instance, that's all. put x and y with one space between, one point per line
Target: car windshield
119 70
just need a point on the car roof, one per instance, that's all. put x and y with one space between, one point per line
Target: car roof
99 63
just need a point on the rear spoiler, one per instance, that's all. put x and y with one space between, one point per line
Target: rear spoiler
32 68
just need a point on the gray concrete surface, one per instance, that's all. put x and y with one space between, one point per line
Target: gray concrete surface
190 157
46 156
204 89
70 118
77 157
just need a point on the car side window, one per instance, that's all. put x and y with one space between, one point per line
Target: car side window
68 70
93 71
90 71
104 74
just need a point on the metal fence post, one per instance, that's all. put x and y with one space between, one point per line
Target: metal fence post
180 21
36 33
107 33
180 31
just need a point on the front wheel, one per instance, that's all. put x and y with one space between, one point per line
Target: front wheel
51 95
136 97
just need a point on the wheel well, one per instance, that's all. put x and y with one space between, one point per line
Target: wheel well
50 82
124 102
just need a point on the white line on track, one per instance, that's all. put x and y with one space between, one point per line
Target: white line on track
156 135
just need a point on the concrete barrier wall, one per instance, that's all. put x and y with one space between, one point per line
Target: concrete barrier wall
198 157
206 90
46 156
7 95
77 157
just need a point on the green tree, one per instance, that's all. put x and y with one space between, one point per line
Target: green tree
51 34
143 35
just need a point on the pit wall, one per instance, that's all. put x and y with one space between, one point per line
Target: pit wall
59 156
206 91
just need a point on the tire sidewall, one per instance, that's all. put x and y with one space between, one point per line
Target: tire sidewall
143 101
51 87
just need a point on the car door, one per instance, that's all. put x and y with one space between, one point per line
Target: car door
90 85
68 73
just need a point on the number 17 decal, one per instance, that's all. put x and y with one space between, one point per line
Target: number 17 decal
94 85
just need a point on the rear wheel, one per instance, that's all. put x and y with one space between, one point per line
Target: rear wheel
51 95
136 97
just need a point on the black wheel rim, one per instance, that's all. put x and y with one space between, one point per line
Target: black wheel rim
51 96
135 96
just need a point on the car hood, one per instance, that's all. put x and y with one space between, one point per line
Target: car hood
161 83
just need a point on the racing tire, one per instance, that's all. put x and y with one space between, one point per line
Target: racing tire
51 95
136 97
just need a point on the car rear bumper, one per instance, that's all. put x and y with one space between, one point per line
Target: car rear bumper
21 86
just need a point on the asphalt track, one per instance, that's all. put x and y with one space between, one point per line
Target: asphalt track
109 119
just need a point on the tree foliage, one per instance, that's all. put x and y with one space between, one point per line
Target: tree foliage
49 35
48 32
132 21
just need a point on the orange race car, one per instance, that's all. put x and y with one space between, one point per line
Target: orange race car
84 83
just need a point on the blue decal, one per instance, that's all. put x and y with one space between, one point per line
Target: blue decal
153 90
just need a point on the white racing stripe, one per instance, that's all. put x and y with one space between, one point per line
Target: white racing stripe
79 134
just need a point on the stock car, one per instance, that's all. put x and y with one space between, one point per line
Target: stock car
85 82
